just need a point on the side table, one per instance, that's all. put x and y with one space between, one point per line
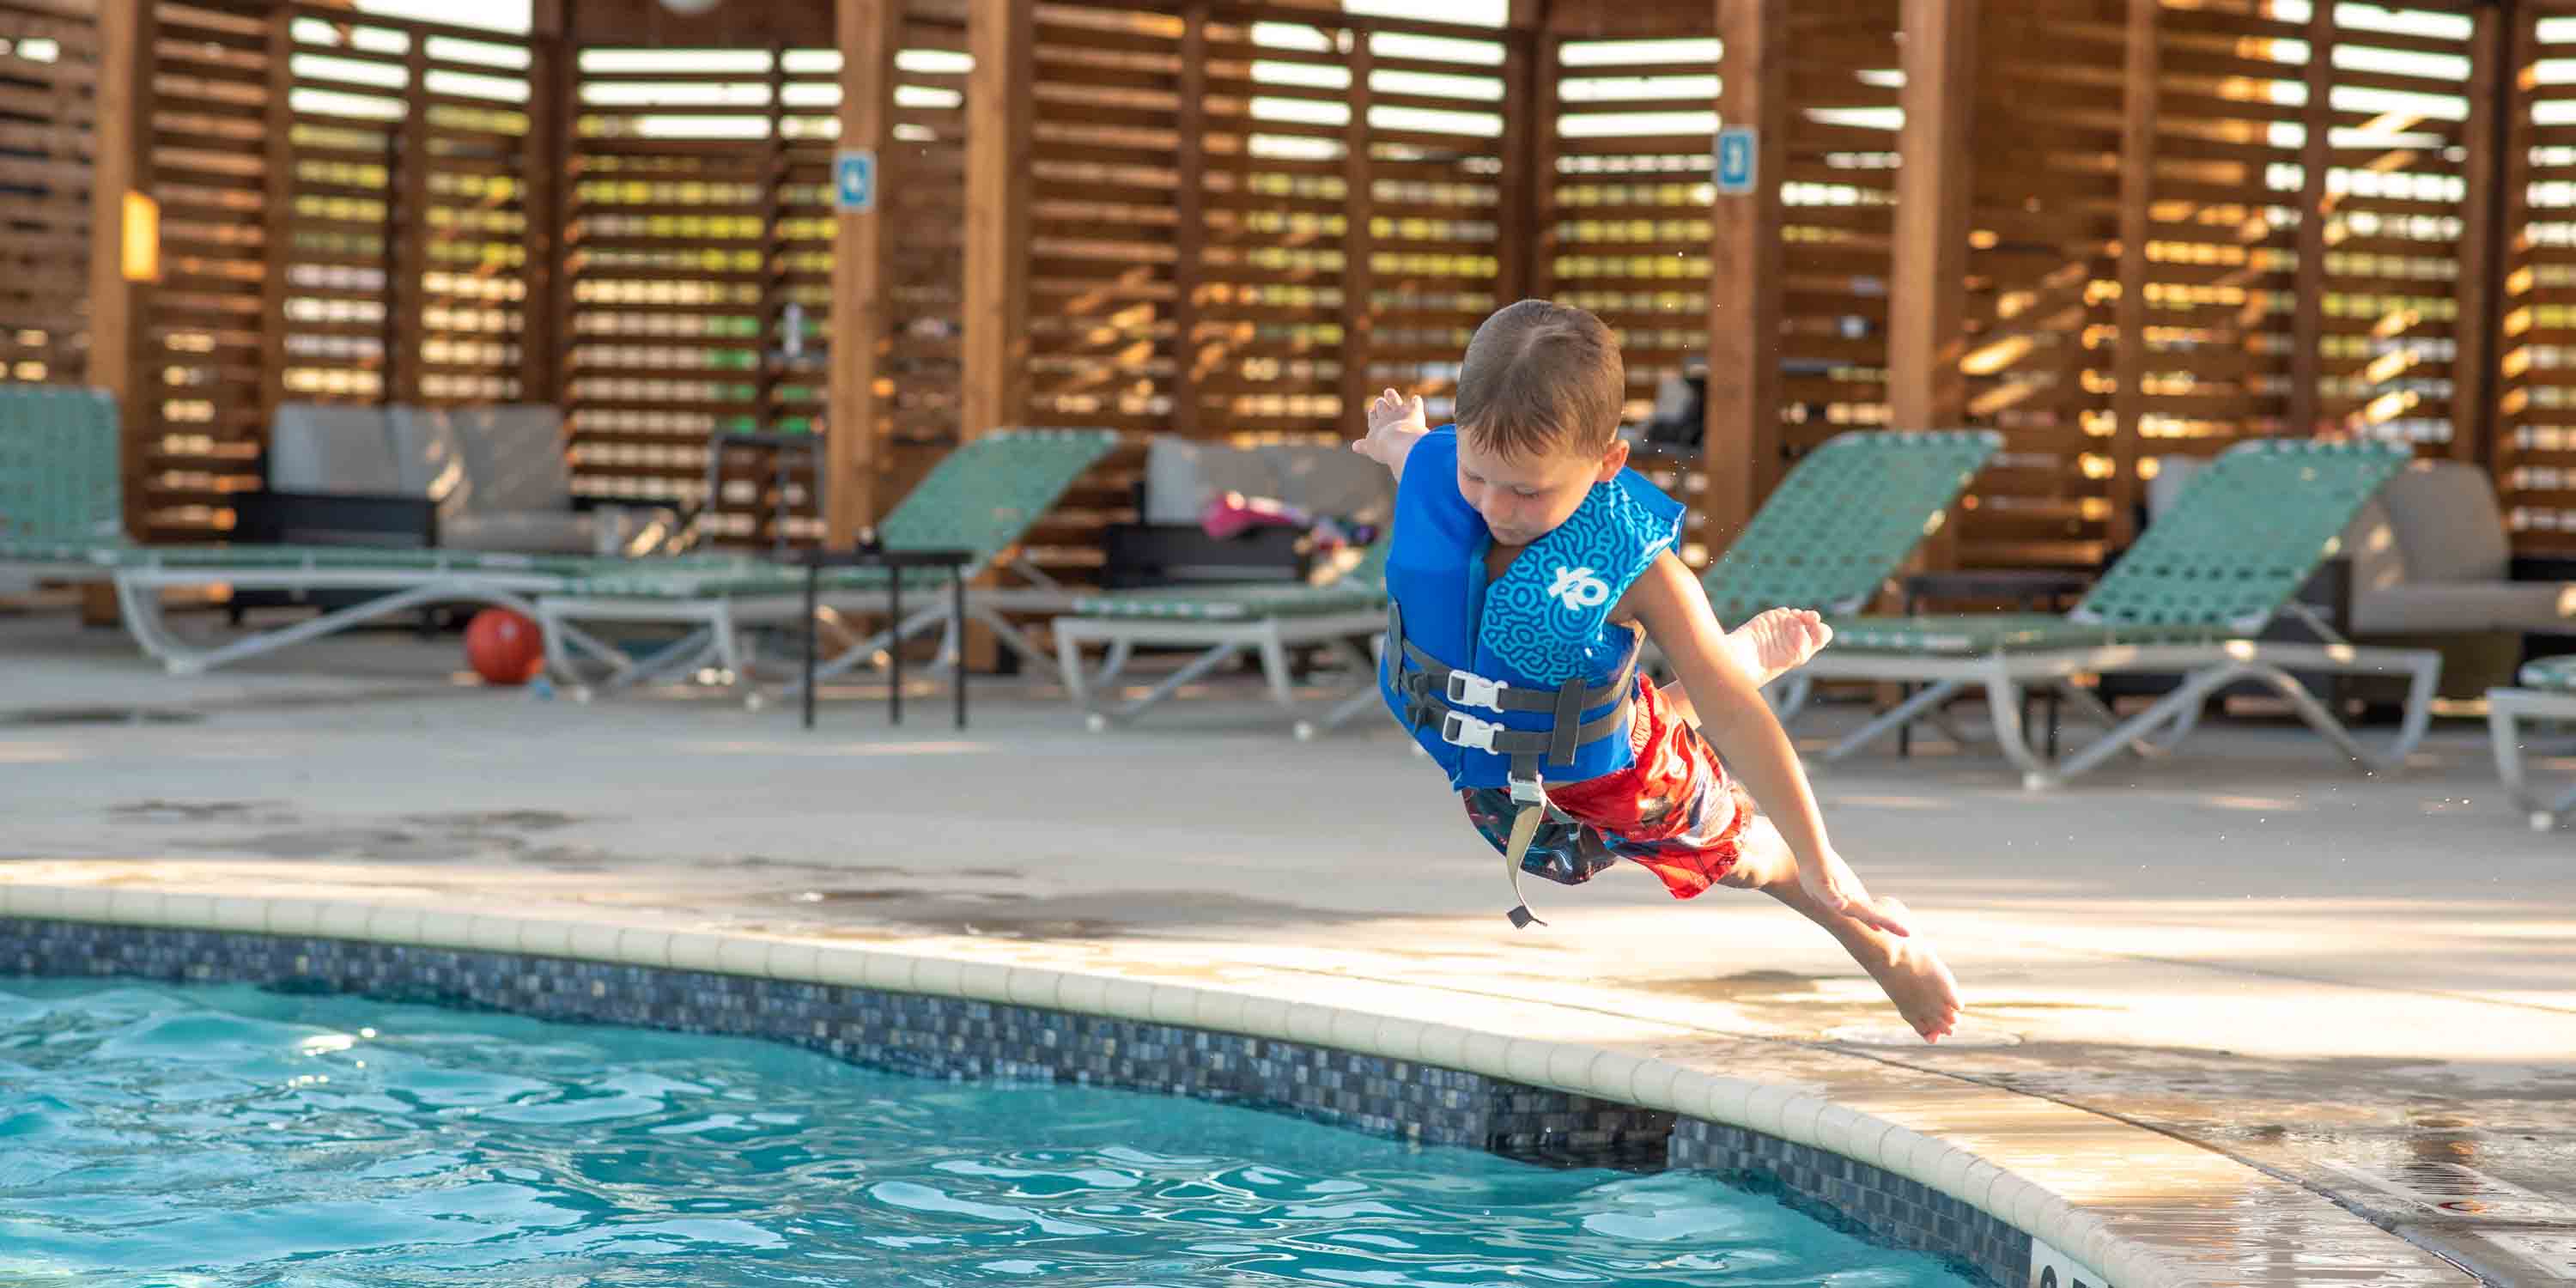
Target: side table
894 562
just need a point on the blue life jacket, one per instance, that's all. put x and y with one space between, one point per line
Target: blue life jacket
1527 678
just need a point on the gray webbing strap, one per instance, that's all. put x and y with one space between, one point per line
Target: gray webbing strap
1524 829
1517 743
1569 718
1436 676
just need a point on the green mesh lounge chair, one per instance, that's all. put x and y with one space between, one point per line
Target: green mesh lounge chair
1842 523
61 513
1224 622
2547 696
2187 600
984 497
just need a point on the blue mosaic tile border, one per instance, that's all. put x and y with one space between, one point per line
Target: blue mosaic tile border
961 1039
1907 1213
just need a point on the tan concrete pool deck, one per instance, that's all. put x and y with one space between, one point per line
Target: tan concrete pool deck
2246 1008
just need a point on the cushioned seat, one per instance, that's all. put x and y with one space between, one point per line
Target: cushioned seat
500 480
2431 557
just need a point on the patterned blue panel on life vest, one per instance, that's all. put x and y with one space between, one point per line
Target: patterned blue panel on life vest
1544 617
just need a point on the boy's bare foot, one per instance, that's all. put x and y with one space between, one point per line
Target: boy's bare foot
1913 977
1780 640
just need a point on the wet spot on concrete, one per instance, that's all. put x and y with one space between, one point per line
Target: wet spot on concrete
880 895
161 811
1112 914
1735 987
376 843
571 858
43 716
522 820
802 865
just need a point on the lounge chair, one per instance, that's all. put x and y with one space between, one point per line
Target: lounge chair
2187 600
983 497
1224 622
2547 696
62 517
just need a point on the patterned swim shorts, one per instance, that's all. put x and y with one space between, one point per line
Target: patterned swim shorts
1673 810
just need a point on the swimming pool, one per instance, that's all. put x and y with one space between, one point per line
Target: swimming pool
159 1133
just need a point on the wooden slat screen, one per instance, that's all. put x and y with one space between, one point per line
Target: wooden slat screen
700 210
1838 199
2044 220
472 219
1626 199
1103 179
1317 206
2536 414
2394 223
669 302
196 421
48 118
336 219
1433 148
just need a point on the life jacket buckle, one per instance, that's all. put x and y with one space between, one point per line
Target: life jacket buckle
1528 791
1467 689
1462 730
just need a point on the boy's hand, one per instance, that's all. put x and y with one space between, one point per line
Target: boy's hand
1831 882
1395 423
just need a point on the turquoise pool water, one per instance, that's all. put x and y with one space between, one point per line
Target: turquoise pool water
184 1135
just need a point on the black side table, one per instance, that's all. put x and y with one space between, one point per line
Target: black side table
2034 590
894 562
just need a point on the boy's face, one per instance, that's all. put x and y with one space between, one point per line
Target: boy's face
1527 498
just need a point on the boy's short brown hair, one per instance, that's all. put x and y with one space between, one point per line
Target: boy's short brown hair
1541 378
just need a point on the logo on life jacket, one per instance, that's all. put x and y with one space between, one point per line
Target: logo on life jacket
1578 589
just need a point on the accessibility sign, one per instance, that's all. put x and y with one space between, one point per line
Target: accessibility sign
854 181
1735 153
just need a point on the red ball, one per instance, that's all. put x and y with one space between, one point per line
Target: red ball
504 647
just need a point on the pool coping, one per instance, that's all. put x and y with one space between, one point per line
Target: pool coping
2154 1250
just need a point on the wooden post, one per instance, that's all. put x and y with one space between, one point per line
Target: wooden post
2479 292
1189 214
277 249
1517 196
870 34
765 374
1928 297
1359 207
1546 57
2316 157
407 225
1001 38
119 308
544 176
1740 448
1927 301
2137 180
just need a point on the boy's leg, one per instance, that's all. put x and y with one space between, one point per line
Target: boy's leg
1907 970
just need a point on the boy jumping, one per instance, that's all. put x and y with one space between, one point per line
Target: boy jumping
1526 559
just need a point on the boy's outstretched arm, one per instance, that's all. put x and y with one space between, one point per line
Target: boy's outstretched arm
1395 424
1675 611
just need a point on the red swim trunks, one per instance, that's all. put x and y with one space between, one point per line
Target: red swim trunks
1673 809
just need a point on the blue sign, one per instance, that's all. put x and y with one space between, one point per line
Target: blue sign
1735 154
854 181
